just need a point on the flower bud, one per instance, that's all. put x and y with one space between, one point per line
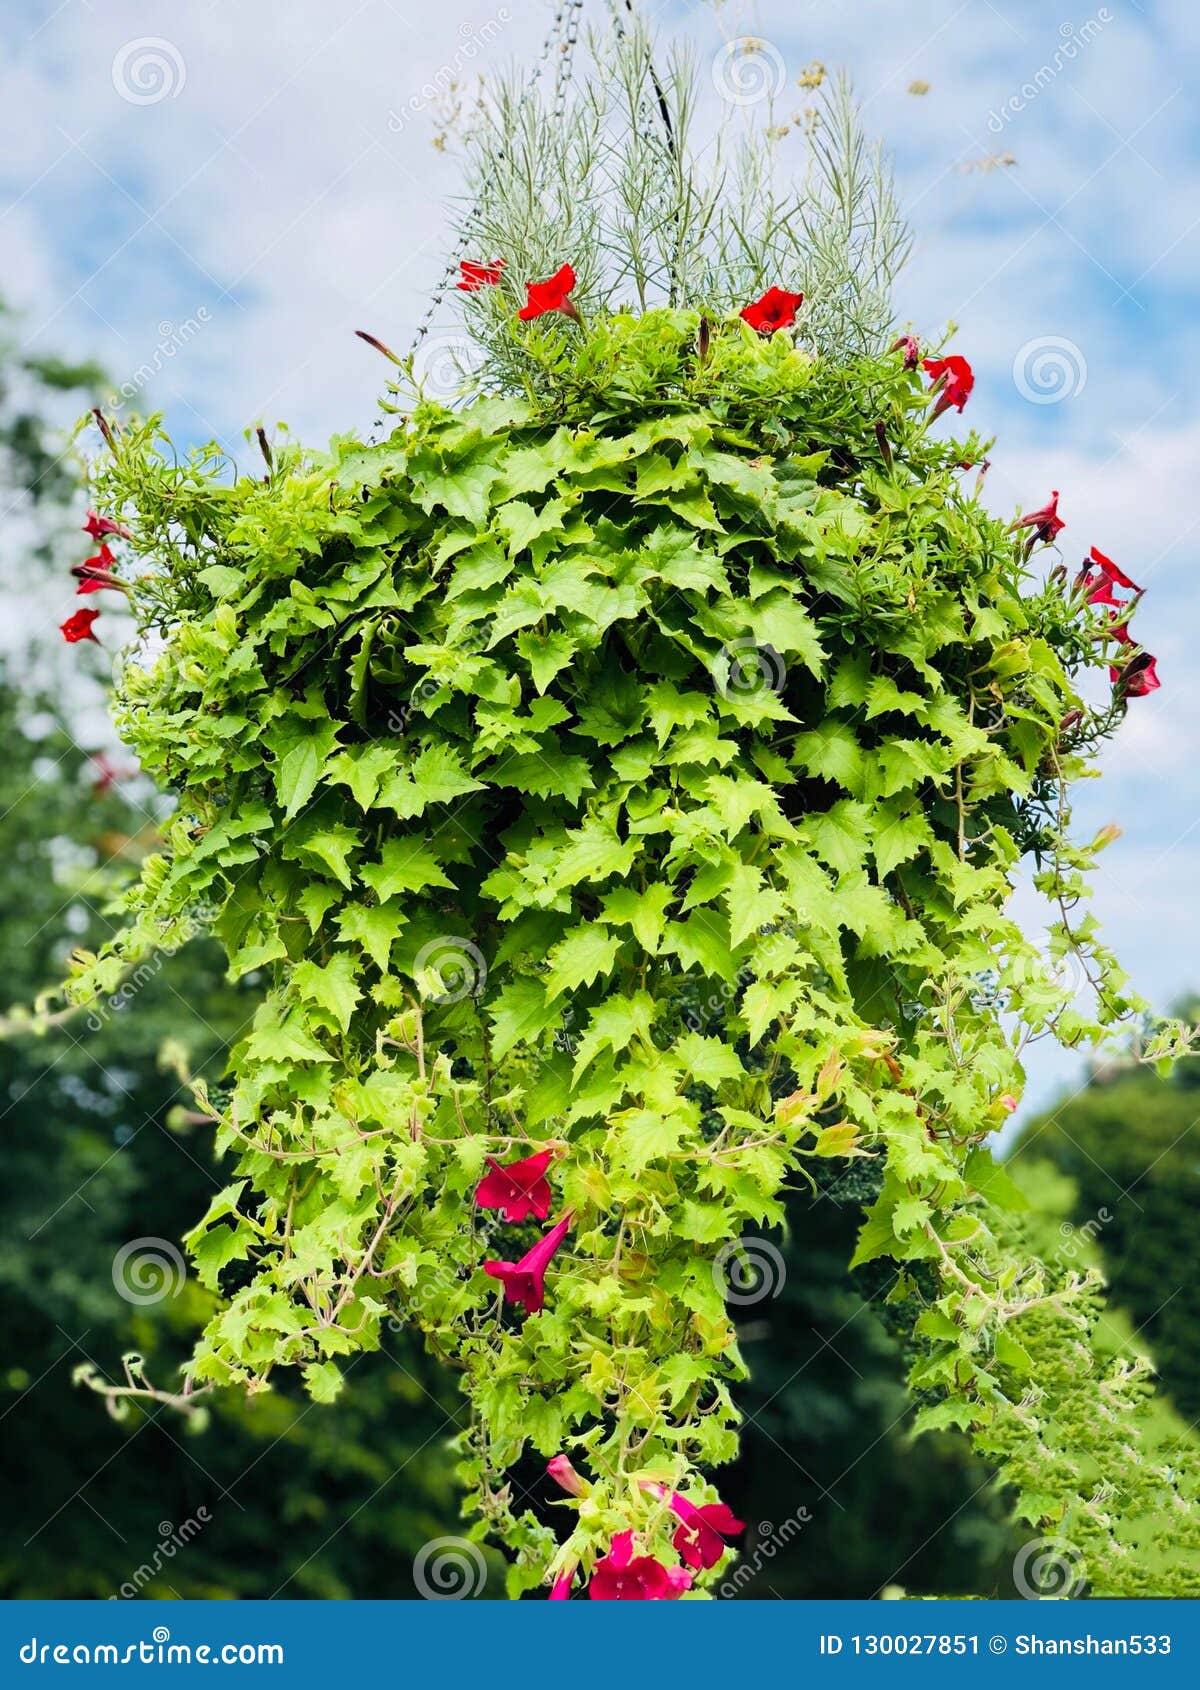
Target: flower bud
561 1471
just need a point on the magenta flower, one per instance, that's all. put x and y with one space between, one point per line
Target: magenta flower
560 1590
525 1281
562 1472
622 1576
519 1189
700 1540
907 344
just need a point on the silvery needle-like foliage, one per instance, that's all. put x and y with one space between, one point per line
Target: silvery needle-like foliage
625 174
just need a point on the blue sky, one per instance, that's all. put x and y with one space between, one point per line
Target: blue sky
221 193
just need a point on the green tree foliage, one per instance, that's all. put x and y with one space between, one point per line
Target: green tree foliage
1128 1143
35 467
828 1431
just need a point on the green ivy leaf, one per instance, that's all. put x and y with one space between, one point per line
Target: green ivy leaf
405 865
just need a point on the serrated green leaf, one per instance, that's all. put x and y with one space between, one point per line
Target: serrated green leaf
405 865
581 957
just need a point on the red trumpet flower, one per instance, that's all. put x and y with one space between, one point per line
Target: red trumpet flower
1045 522
775 310
96 572
954 377
79 627
519 1189
1109 572
476 276
551 295
525 1281
1099 591
1140 676
99 527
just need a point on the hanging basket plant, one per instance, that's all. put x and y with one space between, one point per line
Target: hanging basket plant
620 777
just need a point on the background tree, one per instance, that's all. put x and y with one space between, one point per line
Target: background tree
1130 1144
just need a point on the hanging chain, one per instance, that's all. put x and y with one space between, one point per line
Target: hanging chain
663 109
560 43
562 35
651 114
566 57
